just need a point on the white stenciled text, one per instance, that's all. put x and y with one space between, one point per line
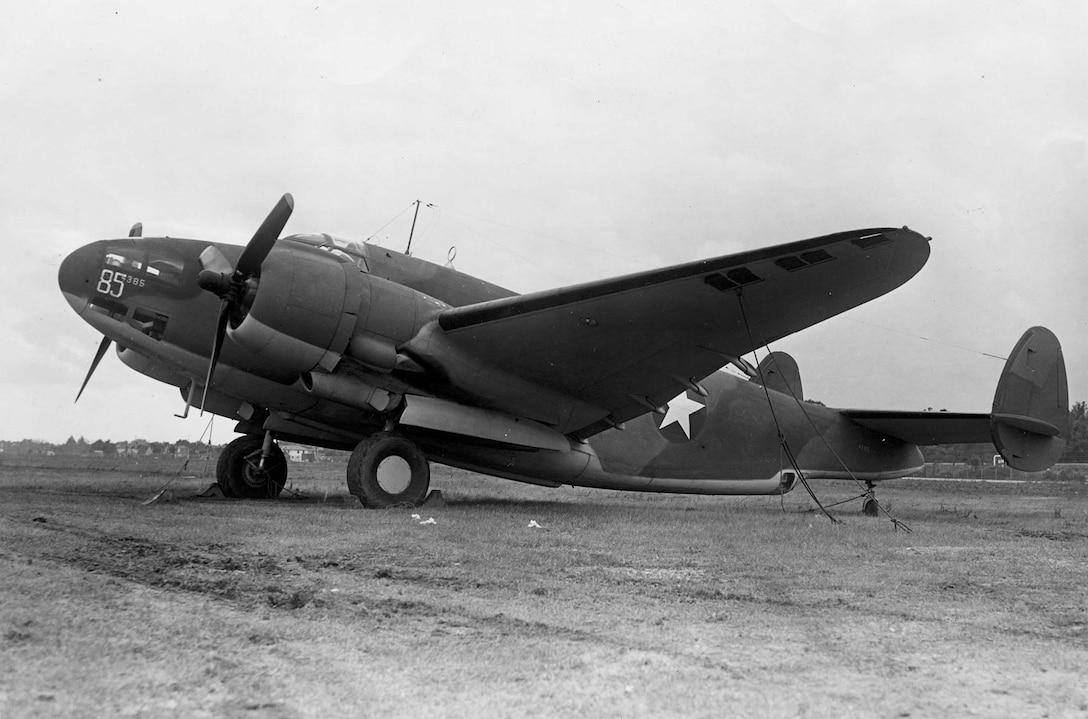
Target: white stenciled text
113 283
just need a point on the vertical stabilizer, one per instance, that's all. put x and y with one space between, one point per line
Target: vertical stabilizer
1030 419
779 371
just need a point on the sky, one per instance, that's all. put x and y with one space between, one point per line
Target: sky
554 143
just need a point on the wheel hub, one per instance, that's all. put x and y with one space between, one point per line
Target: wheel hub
394 474
252 474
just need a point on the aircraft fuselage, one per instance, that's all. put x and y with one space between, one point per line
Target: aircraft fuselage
142 293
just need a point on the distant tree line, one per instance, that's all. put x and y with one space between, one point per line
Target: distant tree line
975 455
81 447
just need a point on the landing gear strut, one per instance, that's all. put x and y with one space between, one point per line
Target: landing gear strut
252 467
388 470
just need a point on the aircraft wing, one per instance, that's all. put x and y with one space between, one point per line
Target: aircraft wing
604 352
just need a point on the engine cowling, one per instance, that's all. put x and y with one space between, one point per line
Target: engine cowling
311 307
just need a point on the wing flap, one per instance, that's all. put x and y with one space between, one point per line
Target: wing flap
451 418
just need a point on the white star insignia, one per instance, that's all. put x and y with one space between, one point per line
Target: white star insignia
680 410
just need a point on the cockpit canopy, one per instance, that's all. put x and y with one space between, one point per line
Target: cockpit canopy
347 250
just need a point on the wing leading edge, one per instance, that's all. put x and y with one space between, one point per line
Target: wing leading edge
587 357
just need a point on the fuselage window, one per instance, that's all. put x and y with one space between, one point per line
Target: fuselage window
151 323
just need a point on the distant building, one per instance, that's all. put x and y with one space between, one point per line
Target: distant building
299 452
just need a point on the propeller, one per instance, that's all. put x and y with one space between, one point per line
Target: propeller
231 284
102 347
137 230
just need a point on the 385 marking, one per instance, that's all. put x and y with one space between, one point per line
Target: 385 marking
113 283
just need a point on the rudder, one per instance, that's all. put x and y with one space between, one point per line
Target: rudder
1030 420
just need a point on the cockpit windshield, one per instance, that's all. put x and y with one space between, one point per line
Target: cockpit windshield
133 264
347 250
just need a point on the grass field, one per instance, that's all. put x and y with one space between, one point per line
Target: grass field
618 604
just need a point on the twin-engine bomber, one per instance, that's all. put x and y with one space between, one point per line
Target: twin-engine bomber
615 384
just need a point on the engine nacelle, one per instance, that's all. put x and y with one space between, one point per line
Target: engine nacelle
311 307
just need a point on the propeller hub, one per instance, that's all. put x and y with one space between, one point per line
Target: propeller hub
218 282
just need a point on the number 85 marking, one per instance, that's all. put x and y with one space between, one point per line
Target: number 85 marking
111 283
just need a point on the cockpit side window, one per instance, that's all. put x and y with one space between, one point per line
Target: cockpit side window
166 270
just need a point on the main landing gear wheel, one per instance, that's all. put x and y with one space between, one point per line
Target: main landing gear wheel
388 470
240 474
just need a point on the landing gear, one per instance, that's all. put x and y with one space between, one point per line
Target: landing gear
387 470
251 467
870 507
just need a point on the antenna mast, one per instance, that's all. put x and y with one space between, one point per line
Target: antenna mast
408 249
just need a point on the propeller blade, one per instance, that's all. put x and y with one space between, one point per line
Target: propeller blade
218 277
215 261
137 230
102 347
217 347
265 237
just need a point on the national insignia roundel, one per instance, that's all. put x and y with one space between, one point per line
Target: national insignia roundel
684 418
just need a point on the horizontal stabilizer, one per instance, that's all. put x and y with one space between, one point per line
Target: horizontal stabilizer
779 372
1028 424
1030 419
925 427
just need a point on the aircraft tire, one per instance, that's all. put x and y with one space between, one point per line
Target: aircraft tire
388 470
870 507
239 474
222 469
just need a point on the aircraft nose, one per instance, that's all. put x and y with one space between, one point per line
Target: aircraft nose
78 274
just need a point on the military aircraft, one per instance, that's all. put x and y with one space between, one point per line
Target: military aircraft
616 383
